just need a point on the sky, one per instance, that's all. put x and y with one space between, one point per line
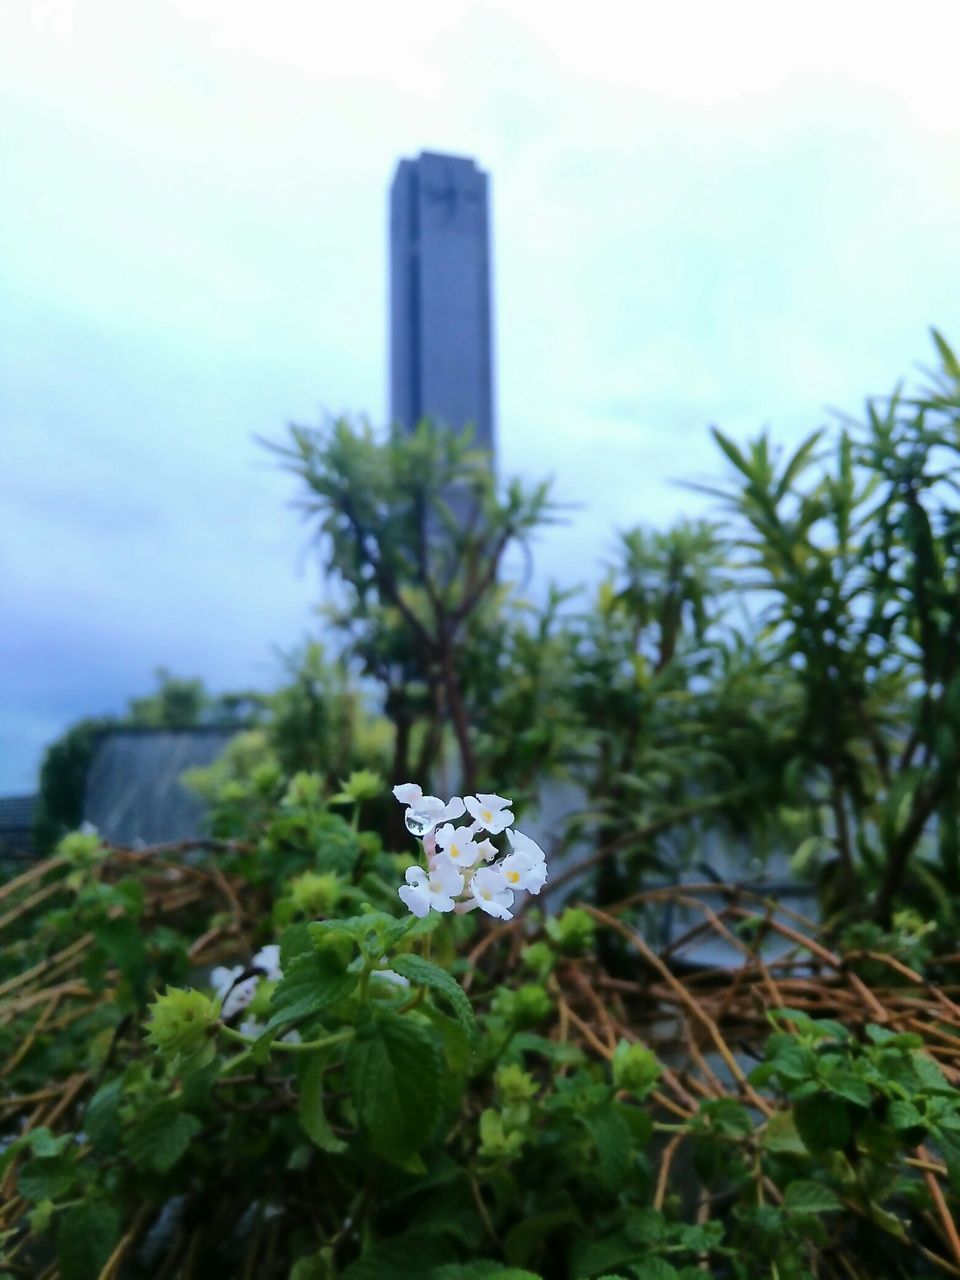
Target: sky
742 214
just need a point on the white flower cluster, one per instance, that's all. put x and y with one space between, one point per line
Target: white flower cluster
236 992
465 869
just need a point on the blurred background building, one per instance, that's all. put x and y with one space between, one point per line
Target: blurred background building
441 347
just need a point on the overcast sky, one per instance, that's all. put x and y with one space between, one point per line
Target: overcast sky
734 213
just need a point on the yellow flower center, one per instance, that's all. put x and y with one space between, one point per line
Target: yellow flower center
513 876
486 815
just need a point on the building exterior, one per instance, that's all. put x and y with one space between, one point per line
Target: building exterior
135 794
441 349
17 816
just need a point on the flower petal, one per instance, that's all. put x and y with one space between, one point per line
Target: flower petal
408 792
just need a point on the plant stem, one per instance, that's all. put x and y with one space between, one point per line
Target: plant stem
305 1046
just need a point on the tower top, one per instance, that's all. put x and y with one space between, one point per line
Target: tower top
440 309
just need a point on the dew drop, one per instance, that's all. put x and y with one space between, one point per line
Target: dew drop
419 822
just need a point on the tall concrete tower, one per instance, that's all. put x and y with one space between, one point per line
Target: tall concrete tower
440 314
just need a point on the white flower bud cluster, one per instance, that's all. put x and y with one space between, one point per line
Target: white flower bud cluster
465 869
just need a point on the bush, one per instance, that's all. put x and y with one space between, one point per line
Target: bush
200 1080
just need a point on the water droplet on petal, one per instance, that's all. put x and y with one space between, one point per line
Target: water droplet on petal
419 822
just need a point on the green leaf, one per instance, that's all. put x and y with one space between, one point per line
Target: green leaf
312 1115
590 1258
313 1266
822 1122
903 1115
524 1239
157 1139
427 974
87 1235
805 1196
101 1120
47 1178
654 1269
948 359
780 1135
480 1270
395 1074
928 1072
612 1138
122 940
846 1085
315 981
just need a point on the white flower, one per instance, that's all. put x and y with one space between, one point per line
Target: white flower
520 871
491 892
489 812
458 844
234 995
520 843
487 850
437 890
268 959
425 812
222 978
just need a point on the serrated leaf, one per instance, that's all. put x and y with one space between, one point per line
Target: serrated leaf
157 1139
315 981
294 941
822 1122
312 1115
928 1072
805 1196
86 1237
47 1178
427 974
846 1085
903 1115
780 1135
101 1120
591 1258
612 1138
395 1075
654 1269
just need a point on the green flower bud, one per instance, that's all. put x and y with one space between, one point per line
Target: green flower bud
514 1084
635 1068
82 848
363 784
538 958
266 778
525 1007
304 791
572 932
182 1027
496 1143
315 894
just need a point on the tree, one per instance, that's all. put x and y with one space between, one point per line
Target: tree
412 531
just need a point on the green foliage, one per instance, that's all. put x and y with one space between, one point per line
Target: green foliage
405 1099
455 1130
573 931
